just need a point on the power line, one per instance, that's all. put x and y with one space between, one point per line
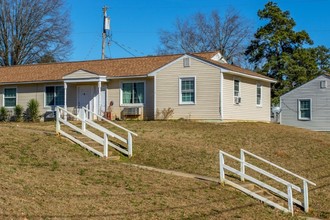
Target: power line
92 47
122 47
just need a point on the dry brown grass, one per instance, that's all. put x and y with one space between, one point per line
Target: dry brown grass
193 147
43 176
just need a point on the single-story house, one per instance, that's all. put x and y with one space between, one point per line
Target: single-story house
308 106
196 86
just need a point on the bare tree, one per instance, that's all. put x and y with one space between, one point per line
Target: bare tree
200 32
31 29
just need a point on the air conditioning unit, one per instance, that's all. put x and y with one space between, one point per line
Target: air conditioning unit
237 100
132 111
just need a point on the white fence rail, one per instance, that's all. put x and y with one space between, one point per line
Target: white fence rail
287 195
61 117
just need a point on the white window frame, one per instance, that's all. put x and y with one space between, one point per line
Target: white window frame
260 104
50 106
180 92
133 104
3 98
239 90
310 109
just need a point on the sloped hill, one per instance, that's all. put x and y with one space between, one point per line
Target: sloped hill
46 177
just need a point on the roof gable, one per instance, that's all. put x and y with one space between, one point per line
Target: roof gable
303 86
80 74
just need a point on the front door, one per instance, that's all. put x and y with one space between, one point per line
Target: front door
85 98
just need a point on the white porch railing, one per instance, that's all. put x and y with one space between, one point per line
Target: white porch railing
61 117
287 195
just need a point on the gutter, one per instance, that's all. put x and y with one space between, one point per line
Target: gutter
249 76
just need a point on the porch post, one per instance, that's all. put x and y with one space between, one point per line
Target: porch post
65 106
99 97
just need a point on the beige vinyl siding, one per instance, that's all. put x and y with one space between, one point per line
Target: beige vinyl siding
80 74
24 93
247 109
71 97
113 94
207 95
33 91
114 89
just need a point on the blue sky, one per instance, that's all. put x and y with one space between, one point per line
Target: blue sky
135 24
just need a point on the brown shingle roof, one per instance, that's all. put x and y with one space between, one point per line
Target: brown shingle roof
208 55
137 66
112 68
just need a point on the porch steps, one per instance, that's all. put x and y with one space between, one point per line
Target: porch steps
91 143
261 194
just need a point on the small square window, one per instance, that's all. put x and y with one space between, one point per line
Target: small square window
132 93
54 95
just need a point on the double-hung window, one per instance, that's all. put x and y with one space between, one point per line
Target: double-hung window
259 94
187 90
54 95
236 88
304 109
10 97
133 93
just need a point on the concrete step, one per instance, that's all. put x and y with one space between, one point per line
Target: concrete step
115 158
265 193
249 186
91 143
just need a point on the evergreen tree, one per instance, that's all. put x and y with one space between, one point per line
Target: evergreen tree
280 52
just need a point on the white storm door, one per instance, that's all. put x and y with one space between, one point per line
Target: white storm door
85 98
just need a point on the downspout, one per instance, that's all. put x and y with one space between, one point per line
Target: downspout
65 100
221 95
155 97
99 85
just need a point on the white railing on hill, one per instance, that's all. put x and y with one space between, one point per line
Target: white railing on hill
61 117
287 195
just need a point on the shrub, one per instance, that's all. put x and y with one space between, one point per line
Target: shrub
3 114
32 111
165 114
18 111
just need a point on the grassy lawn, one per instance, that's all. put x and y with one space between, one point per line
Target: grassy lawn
44 176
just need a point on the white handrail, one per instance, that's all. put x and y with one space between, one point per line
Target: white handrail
101 140
264 172
281 168
110 122
288 195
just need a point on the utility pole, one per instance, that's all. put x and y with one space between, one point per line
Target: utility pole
106 27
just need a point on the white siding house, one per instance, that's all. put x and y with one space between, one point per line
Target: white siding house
308 106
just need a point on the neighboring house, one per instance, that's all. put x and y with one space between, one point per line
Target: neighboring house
197 86
308 106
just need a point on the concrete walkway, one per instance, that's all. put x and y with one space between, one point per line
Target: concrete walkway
176 173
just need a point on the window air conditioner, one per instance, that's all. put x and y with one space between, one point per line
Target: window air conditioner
132 111
237 99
